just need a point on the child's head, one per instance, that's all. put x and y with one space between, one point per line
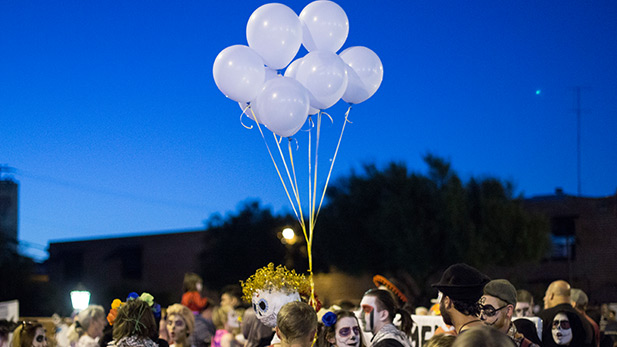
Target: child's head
296 323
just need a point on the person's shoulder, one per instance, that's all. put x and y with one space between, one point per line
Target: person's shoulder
388 343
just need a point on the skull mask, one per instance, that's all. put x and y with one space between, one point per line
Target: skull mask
267 304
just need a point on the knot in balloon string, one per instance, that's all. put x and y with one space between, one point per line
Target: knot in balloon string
293 139
244 113
329 116
347 115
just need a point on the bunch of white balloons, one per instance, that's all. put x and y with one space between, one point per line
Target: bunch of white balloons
251 75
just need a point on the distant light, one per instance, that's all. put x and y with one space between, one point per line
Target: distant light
538 92
80 299
288 233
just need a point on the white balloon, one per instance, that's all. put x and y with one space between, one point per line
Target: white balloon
283 105
367 73
324 74
291 72
275 32
292 68
239 73
250 111
325 26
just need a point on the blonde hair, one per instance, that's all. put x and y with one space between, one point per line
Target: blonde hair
185 313
83 320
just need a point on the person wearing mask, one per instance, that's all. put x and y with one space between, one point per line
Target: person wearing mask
29 334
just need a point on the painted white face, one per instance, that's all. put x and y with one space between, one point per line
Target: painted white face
562 332
523 309
268 303
347 332
40 340
369 313
199 286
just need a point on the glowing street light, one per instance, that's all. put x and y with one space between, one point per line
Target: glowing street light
80 298
288 234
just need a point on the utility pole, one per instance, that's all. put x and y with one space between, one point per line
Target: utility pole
577 90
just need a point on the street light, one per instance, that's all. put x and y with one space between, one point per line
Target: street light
288 234
80 298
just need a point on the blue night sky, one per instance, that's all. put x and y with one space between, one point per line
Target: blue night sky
110 115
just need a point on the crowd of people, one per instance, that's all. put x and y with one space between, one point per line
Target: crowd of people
475 310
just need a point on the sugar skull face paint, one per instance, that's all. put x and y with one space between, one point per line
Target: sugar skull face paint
561 330
267 304
347 332
369 311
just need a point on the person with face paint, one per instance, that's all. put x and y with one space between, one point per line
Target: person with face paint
497 308
340 329
378 312
180 323
524 304
561 330
29 334
557 300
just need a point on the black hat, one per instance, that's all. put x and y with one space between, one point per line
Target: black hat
462 282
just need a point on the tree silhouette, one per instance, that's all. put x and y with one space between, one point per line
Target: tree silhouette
393 221
239 244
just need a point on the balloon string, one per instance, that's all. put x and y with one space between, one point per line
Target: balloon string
317 140
244 113
334 158
277 168
310 167
300 217
295 180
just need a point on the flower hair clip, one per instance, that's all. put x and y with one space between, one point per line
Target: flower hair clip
146 297
329 319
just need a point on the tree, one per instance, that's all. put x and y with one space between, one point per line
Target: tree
393 221
241 243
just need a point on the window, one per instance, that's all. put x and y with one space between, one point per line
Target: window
563 237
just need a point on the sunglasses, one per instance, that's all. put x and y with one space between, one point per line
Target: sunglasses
489 310
564 324
346 331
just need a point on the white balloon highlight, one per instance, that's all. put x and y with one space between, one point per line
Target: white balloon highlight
325 26
283 105
239 73
274 31
365 76
324 74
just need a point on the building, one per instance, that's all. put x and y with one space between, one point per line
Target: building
9 212
584 241
113 267
583 235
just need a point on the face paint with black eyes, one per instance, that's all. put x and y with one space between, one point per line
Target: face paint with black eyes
267 304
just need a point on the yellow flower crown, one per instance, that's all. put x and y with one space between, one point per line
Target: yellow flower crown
278 278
